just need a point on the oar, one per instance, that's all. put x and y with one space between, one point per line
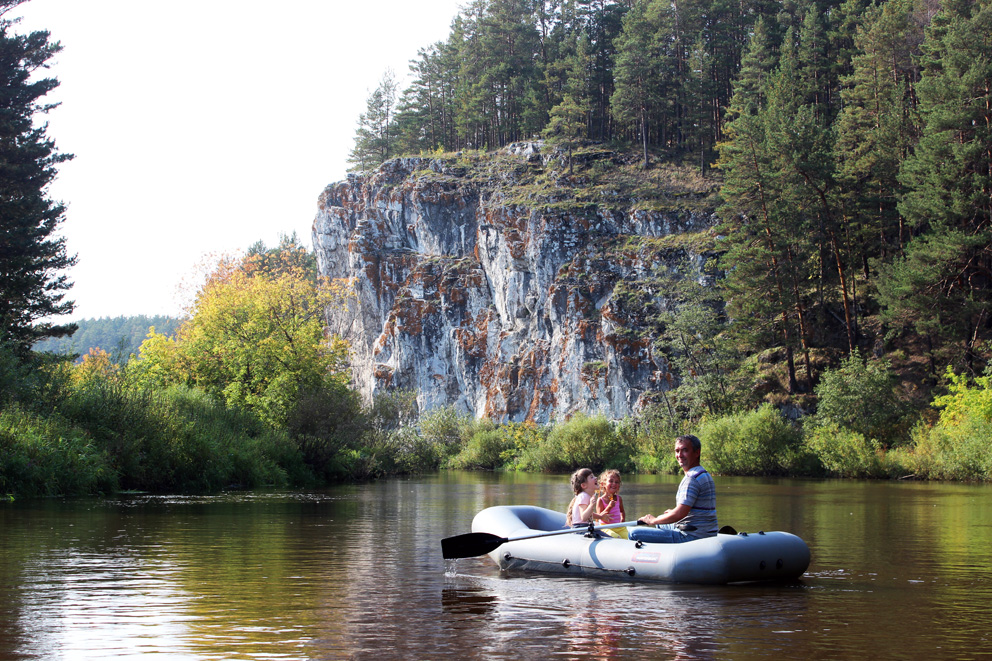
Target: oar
472 544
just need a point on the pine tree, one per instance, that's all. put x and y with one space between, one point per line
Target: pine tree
756 285
878 127
701 111
32 256
645 68
375 137
782 213
602 23
422 113
942 287
567 125
500 102
757 64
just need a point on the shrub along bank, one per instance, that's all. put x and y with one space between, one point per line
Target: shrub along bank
72 430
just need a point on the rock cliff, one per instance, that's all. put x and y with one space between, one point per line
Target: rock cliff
507 287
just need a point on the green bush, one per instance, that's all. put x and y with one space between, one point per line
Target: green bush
652 435
417 453
860 396
446 430
490 447
393 409
181 439
956 448
119 421
964 399
327 425
846 453
586 441
759 442
211 445
38 382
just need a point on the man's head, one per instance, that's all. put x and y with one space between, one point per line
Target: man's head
687 451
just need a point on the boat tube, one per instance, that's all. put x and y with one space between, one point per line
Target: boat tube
735 558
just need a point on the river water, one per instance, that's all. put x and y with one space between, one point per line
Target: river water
899 570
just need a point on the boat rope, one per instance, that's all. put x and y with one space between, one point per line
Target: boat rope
566 563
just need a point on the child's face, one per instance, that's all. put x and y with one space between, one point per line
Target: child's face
613 484
590 484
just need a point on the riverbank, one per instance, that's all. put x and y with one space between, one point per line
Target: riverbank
74 430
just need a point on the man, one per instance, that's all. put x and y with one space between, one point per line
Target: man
694 515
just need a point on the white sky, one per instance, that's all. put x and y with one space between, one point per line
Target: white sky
203 126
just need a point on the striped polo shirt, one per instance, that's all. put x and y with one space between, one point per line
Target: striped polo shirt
698 491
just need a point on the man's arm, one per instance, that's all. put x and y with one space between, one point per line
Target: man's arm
673 515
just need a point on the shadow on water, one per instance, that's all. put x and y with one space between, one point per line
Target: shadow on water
468 601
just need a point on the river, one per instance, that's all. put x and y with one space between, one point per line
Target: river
899 570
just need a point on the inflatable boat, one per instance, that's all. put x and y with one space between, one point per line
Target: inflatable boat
535 539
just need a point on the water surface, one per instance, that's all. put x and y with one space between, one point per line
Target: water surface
899 570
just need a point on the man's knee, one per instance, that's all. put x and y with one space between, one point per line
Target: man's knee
654 535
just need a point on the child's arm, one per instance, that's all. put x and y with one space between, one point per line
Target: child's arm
623 515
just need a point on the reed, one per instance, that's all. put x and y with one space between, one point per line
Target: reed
50 457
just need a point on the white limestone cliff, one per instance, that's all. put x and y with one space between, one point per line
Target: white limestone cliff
473 294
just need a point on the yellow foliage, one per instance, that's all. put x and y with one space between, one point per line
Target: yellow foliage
96 364
963 399
255 335
158 361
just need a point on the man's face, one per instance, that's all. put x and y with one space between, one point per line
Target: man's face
686 454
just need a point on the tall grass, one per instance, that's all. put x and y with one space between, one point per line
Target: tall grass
181 440
49 457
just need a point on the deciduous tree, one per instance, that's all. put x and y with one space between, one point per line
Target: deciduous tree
254 338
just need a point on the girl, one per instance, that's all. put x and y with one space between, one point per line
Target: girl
610 508
584 505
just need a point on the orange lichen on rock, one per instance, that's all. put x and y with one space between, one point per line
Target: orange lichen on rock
383 374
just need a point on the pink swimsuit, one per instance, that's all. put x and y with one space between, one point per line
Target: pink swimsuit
613 514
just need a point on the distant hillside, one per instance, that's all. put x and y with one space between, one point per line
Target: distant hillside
115 335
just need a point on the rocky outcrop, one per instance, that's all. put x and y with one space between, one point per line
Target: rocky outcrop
495 284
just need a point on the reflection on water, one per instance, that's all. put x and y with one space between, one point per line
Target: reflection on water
898 571
467 601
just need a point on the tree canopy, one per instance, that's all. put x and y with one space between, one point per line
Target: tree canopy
852 139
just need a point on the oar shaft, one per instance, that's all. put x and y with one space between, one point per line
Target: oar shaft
479 543
576 529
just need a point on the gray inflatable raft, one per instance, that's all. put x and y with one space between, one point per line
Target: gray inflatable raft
757 556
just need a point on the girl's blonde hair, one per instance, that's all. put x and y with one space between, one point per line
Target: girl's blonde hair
605 476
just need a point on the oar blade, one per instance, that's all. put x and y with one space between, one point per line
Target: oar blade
470 545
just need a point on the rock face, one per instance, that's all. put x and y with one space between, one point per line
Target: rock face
487 283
